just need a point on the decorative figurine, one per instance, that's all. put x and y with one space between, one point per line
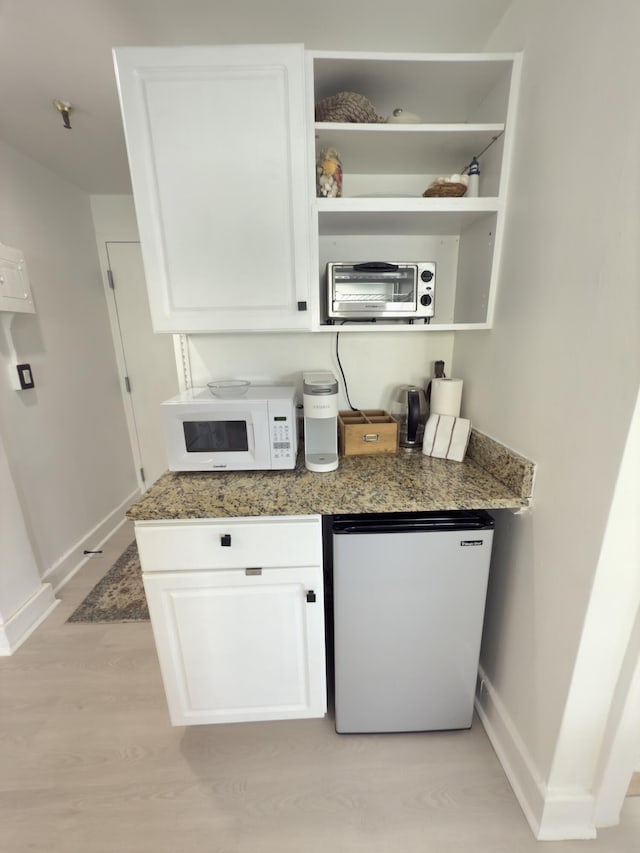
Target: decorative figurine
329 174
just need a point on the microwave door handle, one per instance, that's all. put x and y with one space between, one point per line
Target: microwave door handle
251 439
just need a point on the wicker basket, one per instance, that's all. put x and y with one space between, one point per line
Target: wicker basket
448 190
347 107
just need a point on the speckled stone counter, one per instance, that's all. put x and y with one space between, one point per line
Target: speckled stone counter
403 482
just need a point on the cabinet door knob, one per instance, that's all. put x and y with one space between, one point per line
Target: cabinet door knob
311 596
225 540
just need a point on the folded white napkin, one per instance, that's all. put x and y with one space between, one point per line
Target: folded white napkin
446 437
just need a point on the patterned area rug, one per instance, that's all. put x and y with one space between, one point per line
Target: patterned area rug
119 596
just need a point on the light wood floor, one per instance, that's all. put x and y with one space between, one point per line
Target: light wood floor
90 764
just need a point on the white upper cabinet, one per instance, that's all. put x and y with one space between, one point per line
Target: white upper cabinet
216 138
460 106
223 146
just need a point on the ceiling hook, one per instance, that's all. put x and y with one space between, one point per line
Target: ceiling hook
65 109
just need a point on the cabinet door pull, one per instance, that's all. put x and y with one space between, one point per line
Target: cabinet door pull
311 596
225 540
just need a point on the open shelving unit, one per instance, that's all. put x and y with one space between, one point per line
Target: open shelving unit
466 103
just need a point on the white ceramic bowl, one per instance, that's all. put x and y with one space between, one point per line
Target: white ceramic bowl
228 387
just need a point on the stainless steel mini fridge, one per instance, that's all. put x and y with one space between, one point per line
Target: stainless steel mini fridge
409 594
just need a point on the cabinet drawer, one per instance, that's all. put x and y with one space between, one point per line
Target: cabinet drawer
229 543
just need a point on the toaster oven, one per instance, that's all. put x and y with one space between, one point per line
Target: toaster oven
377 289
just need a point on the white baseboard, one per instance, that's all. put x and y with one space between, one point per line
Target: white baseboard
553 814
70 563
24 622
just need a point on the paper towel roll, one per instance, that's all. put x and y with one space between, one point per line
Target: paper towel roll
446 397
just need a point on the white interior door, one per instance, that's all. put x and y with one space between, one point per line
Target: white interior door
149 358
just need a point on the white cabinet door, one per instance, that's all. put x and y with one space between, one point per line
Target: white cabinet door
236 646
216 138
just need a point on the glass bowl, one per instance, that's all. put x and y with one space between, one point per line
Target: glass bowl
228 387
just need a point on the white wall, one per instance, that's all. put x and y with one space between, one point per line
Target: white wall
409 25
558 376
373 365
66 439
24 599
19 578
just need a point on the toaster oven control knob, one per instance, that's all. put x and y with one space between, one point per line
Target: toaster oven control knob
426 275
425 299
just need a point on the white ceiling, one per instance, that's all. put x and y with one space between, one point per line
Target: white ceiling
62 49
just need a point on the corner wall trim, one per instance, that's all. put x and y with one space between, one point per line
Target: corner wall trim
553 815
23 623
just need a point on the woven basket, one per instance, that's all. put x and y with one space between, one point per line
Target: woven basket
448 190
347 107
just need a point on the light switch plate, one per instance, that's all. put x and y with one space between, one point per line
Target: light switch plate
25 376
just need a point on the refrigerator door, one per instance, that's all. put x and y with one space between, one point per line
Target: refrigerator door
408 614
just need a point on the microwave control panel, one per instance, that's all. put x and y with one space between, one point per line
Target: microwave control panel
283 434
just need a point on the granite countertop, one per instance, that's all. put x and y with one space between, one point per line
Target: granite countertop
404 482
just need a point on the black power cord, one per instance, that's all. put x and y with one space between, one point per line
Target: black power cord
344 379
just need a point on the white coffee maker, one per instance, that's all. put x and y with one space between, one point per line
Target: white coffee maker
320 404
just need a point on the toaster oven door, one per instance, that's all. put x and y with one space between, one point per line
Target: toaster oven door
372 290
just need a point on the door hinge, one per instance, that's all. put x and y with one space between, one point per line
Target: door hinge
127 384
110 279
311 596
142 477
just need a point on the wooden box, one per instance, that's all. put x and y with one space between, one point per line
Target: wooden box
367 432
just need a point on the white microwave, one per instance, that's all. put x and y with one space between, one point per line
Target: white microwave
255 432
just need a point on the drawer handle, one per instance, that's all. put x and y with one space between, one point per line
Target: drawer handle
252 572
225 540
371 436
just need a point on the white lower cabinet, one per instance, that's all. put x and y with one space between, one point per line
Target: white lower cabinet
237 643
